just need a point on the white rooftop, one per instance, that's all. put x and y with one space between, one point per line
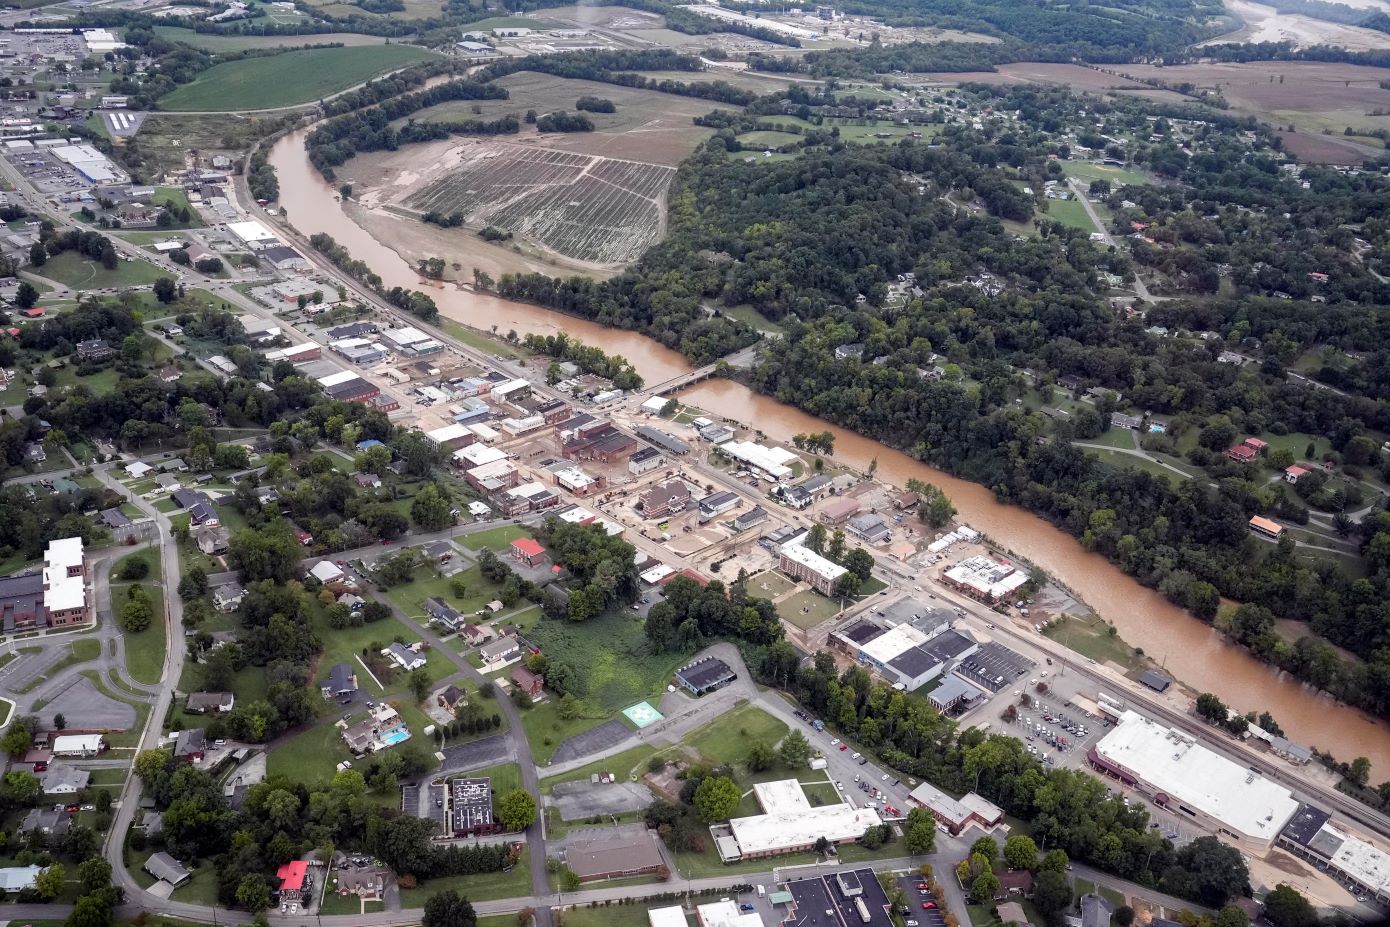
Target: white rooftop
797 824
475 455
673 916
771 460
484 432
61 591
334 379
1368 864
826 569
574 477
727 914
655 404
404 336
448 433
250 231
326 571
987 575
1174 763
893 642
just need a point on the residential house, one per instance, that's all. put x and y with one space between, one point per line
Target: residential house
477 634
115 519
366 882
51 822
62 779
167 869
15 879
93 349
404 657
212 539
341 681
1295 473
191 745
1120 420
228 596
367 480
499 651
530 683
444 614
451 699
219 703
528 551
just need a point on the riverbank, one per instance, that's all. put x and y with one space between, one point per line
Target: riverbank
1144 618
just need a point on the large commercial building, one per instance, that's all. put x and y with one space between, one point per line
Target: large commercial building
614 856
985 579
808 566
1351 861
837 900
789 824
470 807
956 814
1183 776
52 598
909 644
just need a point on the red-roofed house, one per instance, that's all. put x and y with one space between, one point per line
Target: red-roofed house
528 682
688 574
1242 453
294 879
1293 474
303 537
1318 277
528 551
35 313
1256 445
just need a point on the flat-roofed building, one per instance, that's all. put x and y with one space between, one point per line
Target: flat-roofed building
705 675
848 897
1186 778
1312 835
614 856
789 824
985 579
664 440
65 583
470 807
648 458
806 565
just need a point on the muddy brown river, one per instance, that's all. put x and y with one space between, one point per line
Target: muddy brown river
1189 649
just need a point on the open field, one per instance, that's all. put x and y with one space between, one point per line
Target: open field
1090 170
234 43
74 270
165 138
1071 214
288 79
1311 95
807 609
594 209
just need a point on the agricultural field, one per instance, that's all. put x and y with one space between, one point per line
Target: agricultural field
1311 95
594 209
236 43
288 79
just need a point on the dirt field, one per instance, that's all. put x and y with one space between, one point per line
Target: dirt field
1077 77
1266 24
1312 95
1325 149
588 202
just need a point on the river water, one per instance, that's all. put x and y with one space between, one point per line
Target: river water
1188 648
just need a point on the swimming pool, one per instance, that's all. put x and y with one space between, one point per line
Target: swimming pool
395 736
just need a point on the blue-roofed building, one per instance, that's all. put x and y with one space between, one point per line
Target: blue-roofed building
368 444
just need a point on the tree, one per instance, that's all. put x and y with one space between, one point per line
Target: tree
1211 708
795 750
26 295
1054 861
987 847
516 809
761 757
138 611
1209 871
165 290
717 798
150 765
38 254
253 893
921 832
95 874
448 909
1124 915
1051 894
21 787
1286 907
1359 771
984 888
49 882
1020 852
60 722
430 510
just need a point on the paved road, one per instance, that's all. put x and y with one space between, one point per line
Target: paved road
1140 287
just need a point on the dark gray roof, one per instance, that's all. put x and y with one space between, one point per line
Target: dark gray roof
1305 824
163 866
114 518
706 672
190 742
948 645
1155 680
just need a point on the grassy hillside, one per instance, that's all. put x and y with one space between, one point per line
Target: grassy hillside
288 79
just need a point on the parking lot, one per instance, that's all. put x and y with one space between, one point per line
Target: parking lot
995 667
923 908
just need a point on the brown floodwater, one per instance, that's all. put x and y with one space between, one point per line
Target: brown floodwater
1191 650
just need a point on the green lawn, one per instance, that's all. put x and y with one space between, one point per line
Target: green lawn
165 195
333 903
758 140
236 43
411 597
1071 214
727 741
144 650
633 915
78 272
746 313
1115 437
498 538
624 764
1092 638
288 79
1153 468
1088 171
808 608
482 887
505 777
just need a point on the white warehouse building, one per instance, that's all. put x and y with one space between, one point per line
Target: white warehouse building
1185 777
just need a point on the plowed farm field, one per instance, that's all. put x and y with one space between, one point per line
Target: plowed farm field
597 209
